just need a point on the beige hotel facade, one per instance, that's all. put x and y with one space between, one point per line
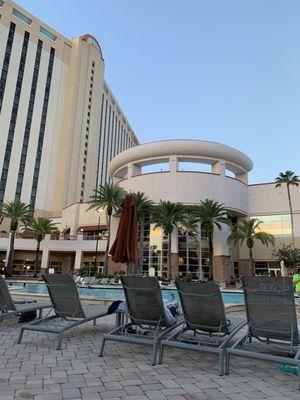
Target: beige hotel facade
59 121
62 133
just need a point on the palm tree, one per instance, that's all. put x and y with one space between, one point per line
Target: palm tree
211 213
17 212
144 206
290 179
190 229
167 216
39 227
248 231
108 196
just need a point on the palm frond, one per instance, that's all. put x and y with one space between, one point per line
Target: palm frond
107 196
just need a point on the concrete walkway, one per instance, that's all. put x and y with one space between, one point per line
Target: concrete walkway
35 370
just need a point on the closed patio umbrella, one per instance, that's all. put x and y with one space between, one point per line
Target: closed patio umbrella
124 248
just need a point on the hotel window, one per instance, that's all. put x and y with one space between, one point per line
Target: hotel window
6 61
21 17
277 225
48 34
14 113
29 118
99 145
42 129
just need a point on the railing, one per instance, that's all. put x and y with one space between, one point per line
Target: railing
58 237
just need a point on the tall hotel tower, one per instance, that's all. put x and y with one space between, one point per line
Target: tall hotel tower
60 125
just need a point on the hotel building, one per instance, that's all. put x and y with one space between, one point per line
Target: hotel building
59 121
63 133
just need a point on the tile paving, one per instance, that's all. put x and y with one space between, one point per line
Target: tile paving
35 370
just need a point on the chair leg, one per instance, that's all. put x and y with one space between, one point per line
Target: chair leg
227 362
102 347
221 363
20 336
59 341
154 353
161 354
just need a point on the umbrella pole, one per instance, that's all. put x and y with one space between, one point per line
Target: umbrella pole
131 268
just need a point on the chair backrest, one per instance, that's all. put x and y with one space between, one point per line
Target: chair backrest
144 300
6 302
270 307
202 306
64 295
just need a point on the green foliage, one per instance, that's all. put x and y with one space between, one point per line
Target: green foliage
168 215
211 213
40 227
288 178
83 271
143 204
16 211
189 225
289 254
248 231
107 196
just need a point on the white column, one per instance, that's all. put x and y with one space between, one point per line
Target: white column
219 168
45 258
78 260
242 177
7 251
220 241
173 164
133 170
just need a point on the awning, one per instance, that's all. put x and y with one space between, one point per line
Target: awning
88 228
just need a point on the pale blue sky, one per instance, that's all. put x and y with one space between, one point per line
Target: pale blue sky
226 71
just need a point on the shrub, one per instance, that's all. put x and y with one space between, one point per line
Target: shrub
289 254
83 271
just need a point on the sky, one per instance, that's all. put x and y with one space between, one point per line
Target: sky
225 71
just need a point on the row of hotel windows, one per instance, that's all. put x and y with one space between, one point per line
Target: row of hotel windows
87 132
29 120
113 139
14 112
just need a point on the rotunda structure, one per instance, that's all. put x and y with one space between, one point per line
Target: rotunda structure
186 171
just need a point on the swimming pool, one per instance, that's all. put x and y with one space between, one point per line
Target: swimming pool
113 293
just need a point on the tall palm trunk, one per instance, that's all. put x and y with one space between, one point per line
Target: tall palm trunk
251 264
211 255
10 258
291 214
169 258
141 246
36 263
107 243
187 252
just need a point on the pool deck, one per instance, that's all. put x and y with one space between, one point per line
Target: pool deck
35 370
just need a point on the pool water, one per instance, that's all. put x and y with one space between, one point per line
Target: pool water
118 293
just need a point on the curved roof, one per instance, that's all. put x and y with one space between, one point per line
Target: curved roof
90 39
181 148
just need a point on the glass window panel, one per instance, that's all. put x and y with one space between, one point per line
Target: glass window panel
275 224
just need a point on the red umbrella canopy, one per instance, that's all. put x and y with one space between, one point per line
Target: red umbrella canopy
124 248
